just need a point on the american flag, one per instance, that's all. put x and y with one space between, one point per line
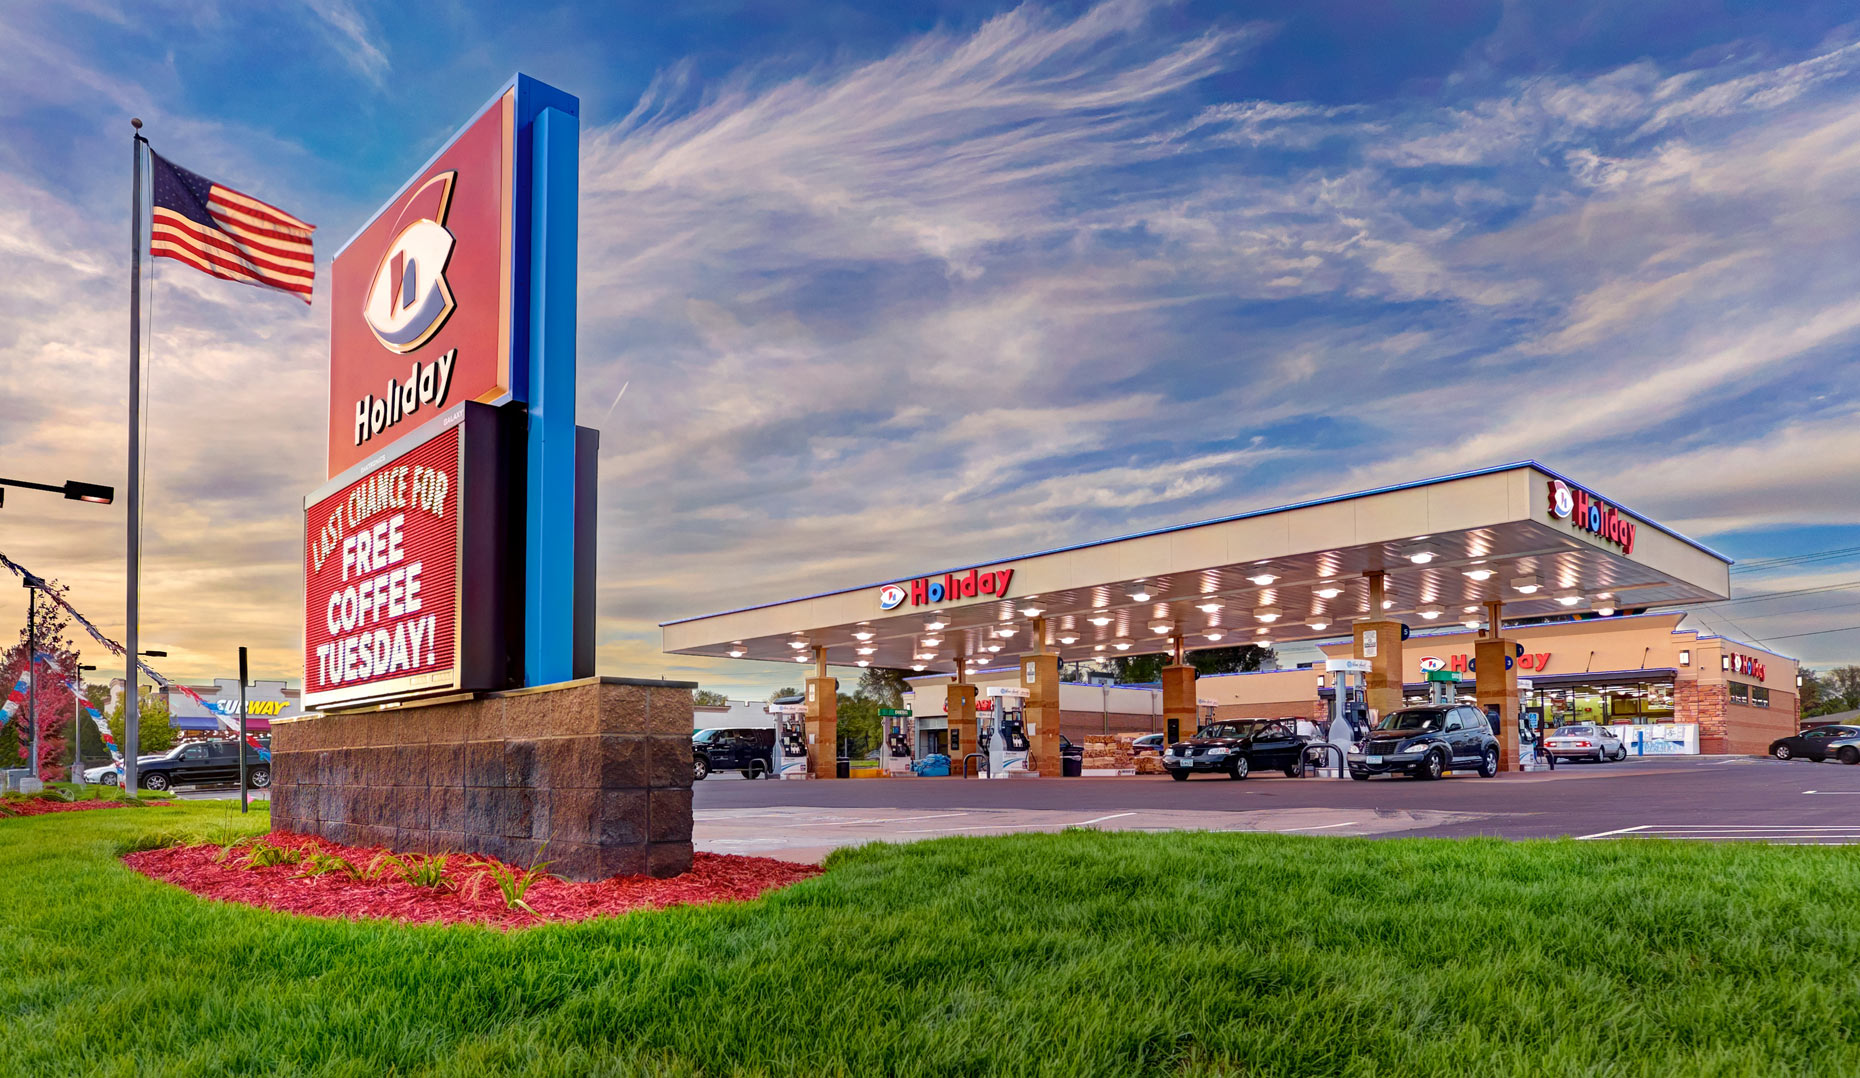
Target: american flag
217 230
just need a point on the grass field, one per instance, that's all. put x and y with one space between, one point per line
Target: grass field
1081 953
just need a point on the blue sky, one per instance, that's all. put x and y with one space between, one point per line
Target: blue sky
895 287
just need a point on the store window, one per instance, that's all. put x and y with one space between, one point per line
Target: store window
1740 693
1760 697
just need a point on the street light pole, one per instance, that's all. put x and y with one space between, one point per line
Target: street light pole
77 726
33 584
245 795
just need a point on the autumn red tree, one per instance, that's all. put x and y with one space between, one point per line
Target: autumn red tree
55 705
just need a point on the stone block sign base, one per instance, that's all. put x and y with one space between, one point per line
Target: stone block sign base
593 776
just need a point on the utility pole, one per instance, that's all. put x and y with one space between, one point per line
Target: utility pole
245 794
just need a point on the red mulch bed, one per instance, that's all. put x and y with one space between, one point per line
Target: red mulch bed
473 897
37 806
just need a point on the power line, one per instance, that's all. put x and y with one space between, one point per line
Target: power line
1817 632
1760 596
1795 559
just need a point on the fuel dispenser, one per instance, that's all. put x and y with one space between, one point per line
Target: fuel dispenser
1443 686
1349 714
1004 735
790 740
895 747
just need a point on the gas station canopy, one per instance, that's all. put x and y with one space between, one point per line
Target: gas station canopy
1519 534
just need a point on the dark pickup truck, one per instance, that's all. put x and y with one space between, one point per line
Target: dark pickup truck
750 751
203 763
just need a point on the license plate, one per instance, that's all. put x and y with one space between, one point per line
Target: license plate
1375 759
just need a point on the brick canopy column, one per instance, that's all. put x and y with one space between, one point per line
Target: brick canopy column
1178 688
1496 685
823 726
960 707
1039 675
1384 691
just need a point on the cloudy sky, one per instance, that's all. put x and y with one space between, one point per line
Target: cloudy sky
900 286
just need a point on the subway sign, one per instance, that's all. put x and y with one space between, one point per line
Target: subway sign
948 588
1590 513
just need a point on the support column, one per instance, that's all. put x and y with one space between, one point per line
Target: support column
961 710
1379 641
1497 686
1039 675
1179 711
822 721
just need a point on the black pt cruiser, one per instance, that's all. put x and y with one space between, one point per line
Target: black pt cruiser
1428 742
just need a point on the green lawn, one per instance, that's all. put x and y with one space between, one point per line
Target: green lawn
1081 953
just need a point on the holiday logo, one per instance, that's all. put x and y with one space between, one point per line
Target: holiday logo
1431 663
1590 513
890 596
409 299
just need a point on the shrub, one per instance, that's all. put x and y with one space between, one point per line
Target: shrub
419 871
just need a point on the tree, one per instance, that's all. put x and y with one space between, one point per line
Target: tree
858 724
1812 694
154 725
1841 689
779 693
1147 669
51 701
883 685
707 698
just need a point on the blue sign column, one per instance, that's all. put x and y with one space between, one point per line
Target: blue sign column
549 517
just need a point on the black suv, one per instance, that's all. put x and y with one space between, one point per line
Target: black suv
1238 748
203 763
750 751
1428 742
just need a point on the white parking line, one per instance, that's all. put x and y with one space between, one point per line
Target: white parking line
1284 830
1101 819
1616 831
1834 793
976 827
891 819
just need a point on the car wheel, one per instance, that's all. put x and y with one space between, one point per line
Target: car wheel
1848 755
1431 767
1620 754
1241 768
700 769
1296 769
154 780
753 771
1488 764
259 777
1781 752
1179 776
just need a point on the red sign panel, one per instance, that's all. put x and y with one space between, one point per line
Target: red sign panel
382 579
420 299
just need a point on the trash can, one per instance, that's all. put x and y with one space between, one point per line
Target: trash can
1071 767
844 769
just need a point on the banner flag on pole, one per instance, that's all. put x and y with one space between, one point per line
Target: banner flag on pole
230 235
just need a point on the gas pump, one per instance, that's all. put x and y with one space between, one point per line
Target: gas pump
1443 686
790 740
1005 737
895 747
1349 712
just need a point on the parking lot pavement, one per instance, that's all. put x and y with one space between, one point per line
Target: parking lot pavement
1714 798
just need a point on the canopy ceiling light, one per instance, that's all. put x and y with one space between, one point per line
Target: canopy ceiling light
797 644
1031 611
1139 595
931 641
1162 627
993 648
935 623
1100 621
1211 606
864 634
1319 624
1431 611
1122 645
1471 623
1569 598
1525 585
864 662
1068 638
917 666
981 660
1006 631
865 651
1606 610
1263 579
1268 614
1329 591
800 658
927 655
1215 634
1097 647
1478 574
1388 604
737 653
1422 557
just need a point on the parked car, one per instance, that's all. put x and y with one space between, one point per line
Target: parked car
1427 742
1148 744
1069 751
1818 743
1585 741
1237 748
747 750
102 776
203 763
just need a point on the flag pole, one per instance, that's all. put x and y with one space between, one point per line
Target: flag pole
131 699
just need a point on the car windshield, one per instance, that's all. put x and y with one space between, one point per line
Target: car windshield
1573 731
1421 719
703 735
1226 729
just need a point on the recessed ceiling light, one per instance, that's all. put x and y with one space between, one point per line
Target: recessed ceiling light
1263 579
1097 647
927 656
865 662
1140 595
1604 595
800 658
936 623
1421 557
931 641
1478 574
1215 634
1569 598
1471 623
1328 592
1388 604
797 644
1100 620
981 660
1262 629
1320 624
1526 585
864 634
1006 631
865 651
1122 645
1210 606
1163 627
1606 610
993 648
1431 611
1030 611
1267 614
917 666
737 653
1068 639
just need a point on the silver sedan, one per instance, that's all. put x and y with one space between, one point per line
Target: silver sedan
1587 741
